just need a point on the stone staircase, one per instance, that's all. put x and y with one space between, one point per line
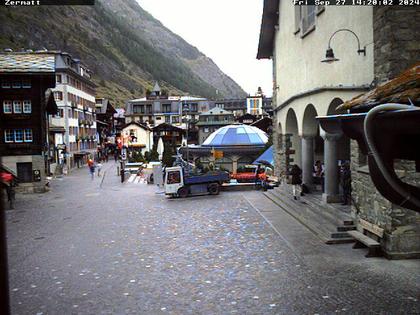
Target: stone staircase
328 222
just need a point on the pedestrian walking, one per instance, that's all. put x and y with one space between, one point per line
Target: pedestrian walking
99 167
296 173
345 181
319 174
91 166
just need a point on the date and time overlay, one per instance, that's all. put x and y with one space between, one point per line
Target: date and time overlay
17 3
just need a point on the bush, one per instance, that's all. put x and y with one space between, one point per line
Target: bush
136 157
167 158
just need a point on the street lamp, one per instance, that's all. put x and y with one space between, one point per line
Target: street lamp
329 55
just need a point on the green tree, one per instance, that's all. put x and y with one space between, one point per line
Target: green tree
167 158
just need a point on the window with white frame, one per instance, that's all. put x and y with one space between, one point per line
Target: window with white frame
58 96
19 135
7 107
27 106
17 107
28 135
9 136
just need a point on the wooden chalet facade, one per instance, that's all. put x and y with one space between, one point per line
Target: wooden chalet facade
26 102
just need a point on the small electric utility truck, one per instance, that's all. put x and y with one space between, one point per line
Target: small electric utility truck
180 184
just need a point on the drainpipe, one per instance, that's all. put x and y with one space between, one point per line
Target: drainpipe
368 128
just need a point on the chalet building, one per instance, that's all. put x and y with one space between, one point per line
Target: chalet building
357 46
138 136
265 124
236 106
212 120
157 108
26 104
105 122
75 96
119 120
246 119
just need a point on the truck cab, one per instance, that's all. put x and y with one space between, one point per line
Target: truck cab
174 180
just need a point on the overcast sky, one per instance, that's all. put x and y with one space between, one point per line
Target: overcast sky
227 31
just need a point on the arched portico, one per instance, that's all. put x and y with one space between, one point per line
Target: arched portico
292 140
310 127
336 151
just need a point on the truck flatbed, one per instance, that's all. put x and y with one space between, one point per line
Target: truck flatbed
207 178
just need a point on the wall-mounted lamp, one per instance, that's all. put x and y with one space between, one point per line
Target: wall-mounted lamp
329 55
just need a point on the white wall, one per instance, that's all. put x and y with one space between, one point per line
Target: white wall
298 59
143 136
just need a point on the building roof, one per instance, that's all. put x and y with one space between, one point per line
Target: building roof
405 88
156 88
267 156
270 18
216 111
167 127
137 124
214 123
232 135
27 63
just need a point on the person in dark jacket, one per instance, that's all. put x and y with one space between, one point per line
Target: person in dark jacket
296 173
345 181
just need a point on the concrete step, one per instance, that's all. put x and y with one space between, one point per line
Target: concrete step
331 213
345 228
323 228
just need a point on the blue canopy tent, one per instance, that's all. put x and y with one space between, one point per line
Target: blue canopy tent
266 157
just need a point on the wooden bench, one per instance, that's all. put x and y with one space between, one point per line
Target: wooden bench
362 240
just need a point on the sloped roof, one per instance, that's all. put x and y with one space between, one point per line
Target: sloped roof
401 89
137 124
268 156
156 88
216 111
27 62
270 19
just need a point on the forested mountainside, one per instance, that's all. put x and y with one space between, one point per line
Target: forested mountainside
125 47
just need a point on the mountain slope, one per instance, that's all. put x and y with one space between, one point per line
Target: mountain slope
125 47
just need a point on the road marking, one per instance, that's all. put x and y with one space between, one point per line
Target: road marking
132 177
92 194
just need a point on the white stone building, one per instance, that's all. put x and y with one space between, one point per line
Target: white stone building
75 96
138 136
296 38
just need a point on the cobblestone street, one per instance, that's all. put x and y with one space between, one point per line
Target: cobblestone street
112 248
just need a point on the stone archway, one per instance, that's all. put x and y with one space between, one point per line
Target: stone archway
336 151
292 140
310 131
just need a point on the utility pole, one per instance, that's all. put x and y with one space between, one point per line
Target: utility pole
186 110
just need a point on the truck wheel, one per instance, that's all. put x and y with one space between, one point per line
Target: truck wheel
213 189
183 192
